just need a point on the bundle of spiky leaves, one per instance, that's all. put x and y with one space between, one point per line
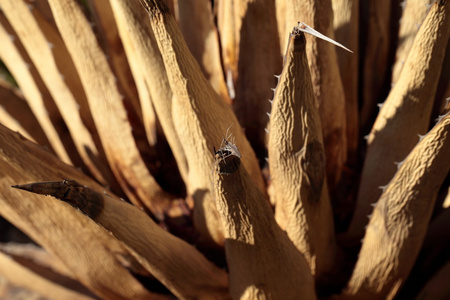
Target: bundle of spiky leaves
165 105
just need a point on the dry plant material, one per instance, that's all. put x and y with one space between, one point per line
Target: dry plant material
27 253
49 222
176 264
22 276
137 71
263 263
113 53
397 228
200 116
346 31
405 113
248 33
196 20
12 108
107 108
376 55
37 47
414 12
148 70
40 262
297 161
10 55
326 80
111 43
44 18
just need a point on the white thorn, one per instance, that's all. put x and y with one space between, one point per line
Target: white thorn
373 204
366 137
383 187
399 164
50 45
403 4
122 199
421 137
277 76
11 37
362 241
266 159
380 105
369 216
30 7
305 28
270 101
266 130
274 90
268 114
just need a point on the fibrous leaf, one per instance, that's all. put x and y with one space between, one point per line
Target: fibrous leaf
263 262
297 160
405 113
399 222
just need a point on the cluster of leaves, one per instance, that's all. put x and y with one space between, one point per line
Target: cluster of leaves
130 98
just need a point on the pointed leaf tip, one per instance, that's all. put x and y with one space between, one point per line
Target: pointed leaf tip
25 187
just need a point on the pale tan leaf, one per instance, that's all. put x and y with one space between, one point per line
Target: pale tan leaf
297 161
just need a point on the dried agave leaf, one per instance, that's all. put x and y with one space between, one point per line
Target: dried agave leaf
149 71
41 54
21 276
172 261
400 218
251 58
17 115
110 40
414 12
346 30
326 79
19 68
200 117
376 54
263 262
33 254
107 109
196 22
49 222
405 113
297 161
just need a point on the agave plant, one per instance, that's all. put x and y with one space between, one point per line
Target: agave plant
214 149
